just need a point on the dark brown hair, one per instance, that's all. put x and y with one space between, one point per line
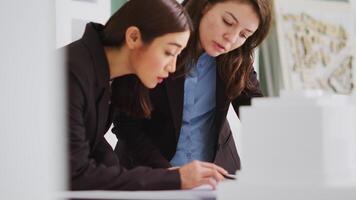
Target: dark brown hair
154 18
234 67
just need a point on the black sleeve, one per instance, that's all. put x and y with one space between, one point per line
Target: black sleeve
134 144
87 173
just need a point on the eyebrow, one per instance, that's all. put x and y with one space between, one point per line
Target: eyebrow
233 16
175 44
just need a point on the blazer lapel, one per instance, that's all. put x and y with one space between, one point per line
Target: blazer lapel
103 103
92 41
221 98
175 92
222 103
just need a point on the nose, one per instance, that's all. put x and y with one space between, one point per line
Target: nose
232 35
171 67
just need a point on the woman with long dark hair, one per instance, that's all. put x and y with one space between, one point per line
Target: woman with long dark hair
188 121
142 39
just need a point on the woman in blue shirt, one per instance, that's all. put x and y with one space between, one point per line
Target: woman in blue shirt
188 120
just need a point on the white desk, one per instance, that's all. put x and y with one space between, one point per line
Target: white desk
196 194
237 191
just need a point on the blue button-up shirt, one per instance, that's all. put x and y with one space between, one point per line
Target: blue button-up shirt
197 135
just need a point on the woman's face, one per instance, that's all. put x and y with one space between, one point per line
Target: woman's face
152 63
226 26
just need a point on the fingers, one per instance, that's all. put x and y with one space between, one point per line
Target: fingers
208 172
213 166
214 171
197 173
209 181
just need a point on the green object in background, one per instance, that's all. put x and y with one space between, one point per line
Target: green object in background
116 4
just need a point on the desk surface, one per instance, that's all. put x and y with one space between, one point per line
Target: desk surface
196 194
237 191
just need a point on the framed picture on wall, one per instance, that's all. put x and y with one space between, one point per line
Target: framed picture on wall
315 44
73 15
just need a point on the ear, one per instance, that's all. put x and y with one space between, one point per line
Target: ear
133 37
206 8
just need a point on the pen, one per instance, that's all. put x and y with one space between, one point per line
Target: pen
230 176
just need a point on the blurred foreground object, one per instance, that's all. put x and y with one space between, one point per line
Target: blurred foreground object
301 145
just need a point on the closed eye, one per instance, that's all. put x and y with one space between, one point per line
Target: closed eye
227 23
167 53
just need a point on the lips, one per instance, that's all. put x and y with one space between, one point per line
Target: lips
219 47
161 79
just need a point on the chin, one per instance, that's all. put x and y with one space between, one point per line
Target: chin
150 85
213 53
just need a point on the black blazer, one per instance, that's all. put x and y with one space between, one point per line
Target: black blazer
153 142
93 163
